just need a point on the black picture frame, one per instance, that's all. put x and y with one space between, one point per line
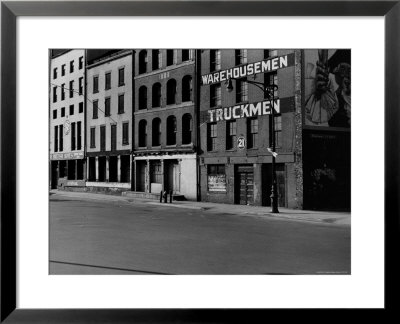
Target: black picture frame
10 10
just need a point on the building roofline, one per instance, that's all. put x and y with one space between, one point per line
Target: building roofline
110 57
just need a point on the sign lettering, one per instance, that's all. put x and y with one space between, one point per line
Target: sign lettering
249 69
243 111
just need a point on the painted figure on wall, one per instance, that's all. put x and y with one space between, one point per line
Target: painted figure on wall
328 88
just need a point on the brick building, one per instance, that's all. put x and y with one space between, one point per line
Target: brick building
109 121
67 118
164 150
235 127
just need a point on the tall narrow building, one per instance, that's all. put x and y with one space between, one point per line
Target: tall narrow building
109 121
67 118
165 154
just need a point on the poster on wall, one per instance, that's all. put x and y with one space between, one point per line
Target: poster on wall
217 182
328 87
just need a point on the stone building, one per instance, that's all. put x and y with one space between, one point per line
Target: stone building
67 118
109 121
164 150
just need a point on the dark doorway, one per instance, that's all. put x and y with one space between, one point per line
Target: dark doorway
113 169
244 185
54 174
141 167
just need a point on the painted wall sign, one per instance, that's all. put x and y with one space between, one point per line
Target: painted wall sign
67 127
241 142
243 111
67 156
217 182
249 69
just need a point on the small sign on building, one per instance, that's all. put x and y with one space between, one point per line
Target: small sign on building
241 142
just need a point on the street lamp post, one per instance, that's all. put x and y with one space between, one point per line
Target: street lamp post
269 92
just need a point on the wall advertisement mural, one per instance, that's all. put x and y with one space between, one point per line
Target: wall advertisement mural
328 87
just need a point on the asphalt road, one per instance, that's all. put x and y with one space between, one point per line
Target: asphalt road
118 237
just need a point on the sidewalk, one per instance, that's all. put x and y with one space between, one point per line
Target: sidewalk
327 217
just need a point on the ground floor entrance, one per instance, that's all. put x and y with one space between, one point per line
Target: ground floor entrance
67 173
176 174
244 185
247 183
109 168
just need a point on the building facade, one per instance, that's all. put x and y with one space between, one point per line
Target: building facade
110 121
235 127
164 150
67 118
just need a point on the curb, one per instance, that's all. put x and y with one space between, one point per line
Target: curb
177 206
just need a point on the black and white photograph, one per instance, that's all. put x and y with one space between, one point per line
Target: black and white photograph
199 161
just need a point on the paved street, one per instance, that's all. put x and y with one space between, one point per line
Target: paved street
120 236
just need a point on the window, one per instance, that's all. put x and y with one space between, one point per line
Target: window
81 107
156 174
71 88
142 61
61 132
270 53
171 57
63 112
55 138
73 138
92 137
81 86
156 95
252 132
107 106
63 70
270 79
230 134
240 56
63 91
95 84
125 133
241 91
102 138
71 66
71 110
142 97
187 88
113 137
121 77
171 130
171 92
95 109
54 94
186 55
55 73
215 95
81 63
215 60
157 59
216 177
108 81
142 133
54 114
79 135
156 132
278 131
121 104
211 136
187 128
